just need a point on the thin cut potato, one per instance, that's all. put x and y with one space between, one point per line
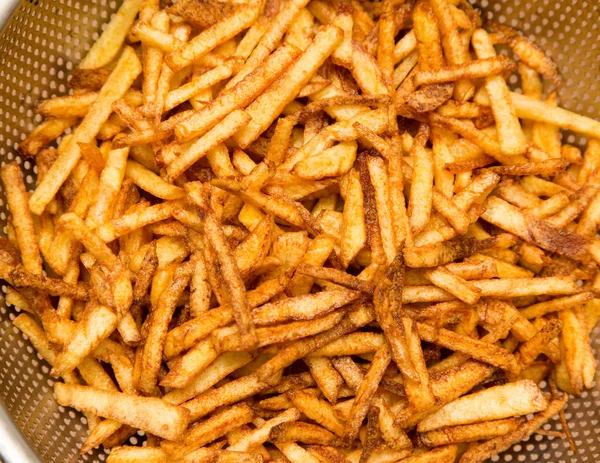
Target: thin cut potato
307 231
515 399
266 107
165 420
127 69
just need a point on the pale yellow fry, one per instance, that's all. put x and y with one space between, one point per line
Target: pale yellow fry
405 46
224 364
507 288
454 284
539 111
97 324
421 190
92 242
128 454
125 72
261 433
138 219
512 399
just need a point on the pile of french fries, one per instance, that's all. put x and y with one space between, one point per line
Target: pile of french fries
308 231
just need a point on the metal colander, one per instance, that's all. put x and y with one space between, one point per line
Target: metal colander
41 44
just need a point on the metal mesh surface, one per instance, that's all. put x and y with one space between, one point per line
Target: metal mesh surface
42 44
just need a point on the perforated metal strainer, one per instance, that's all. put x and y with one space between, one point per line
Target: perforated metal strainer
42 43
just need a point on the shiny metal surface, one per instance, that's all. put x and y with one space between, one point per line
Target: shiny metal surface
39 47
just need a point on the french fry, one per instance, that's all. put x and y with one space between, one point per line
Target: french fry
157 329
317 410
184 369
105 49
127 69
538 232
227 394
326 377
332 162
483 67
555 305
219 133
379 180
511 137
168 421
356 318
454 284
365 392
281 22
137 455
481 452
239 96
354 233
150 182
470 432
230 273
212 37
455 51
111 178
305 307
514 399
16 198
352 344
535 110
264 109
421 191
43 134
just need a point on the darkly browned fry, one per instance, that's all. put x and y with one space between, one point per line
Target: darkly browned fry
442 253
371 220
335 276
20 277
365 393
429 98
230 273
531 229
547 167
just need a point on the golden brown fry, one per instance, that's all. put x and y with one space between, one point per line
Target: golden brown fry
365 392
127 69
482 67
17 200
266 107
157 329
